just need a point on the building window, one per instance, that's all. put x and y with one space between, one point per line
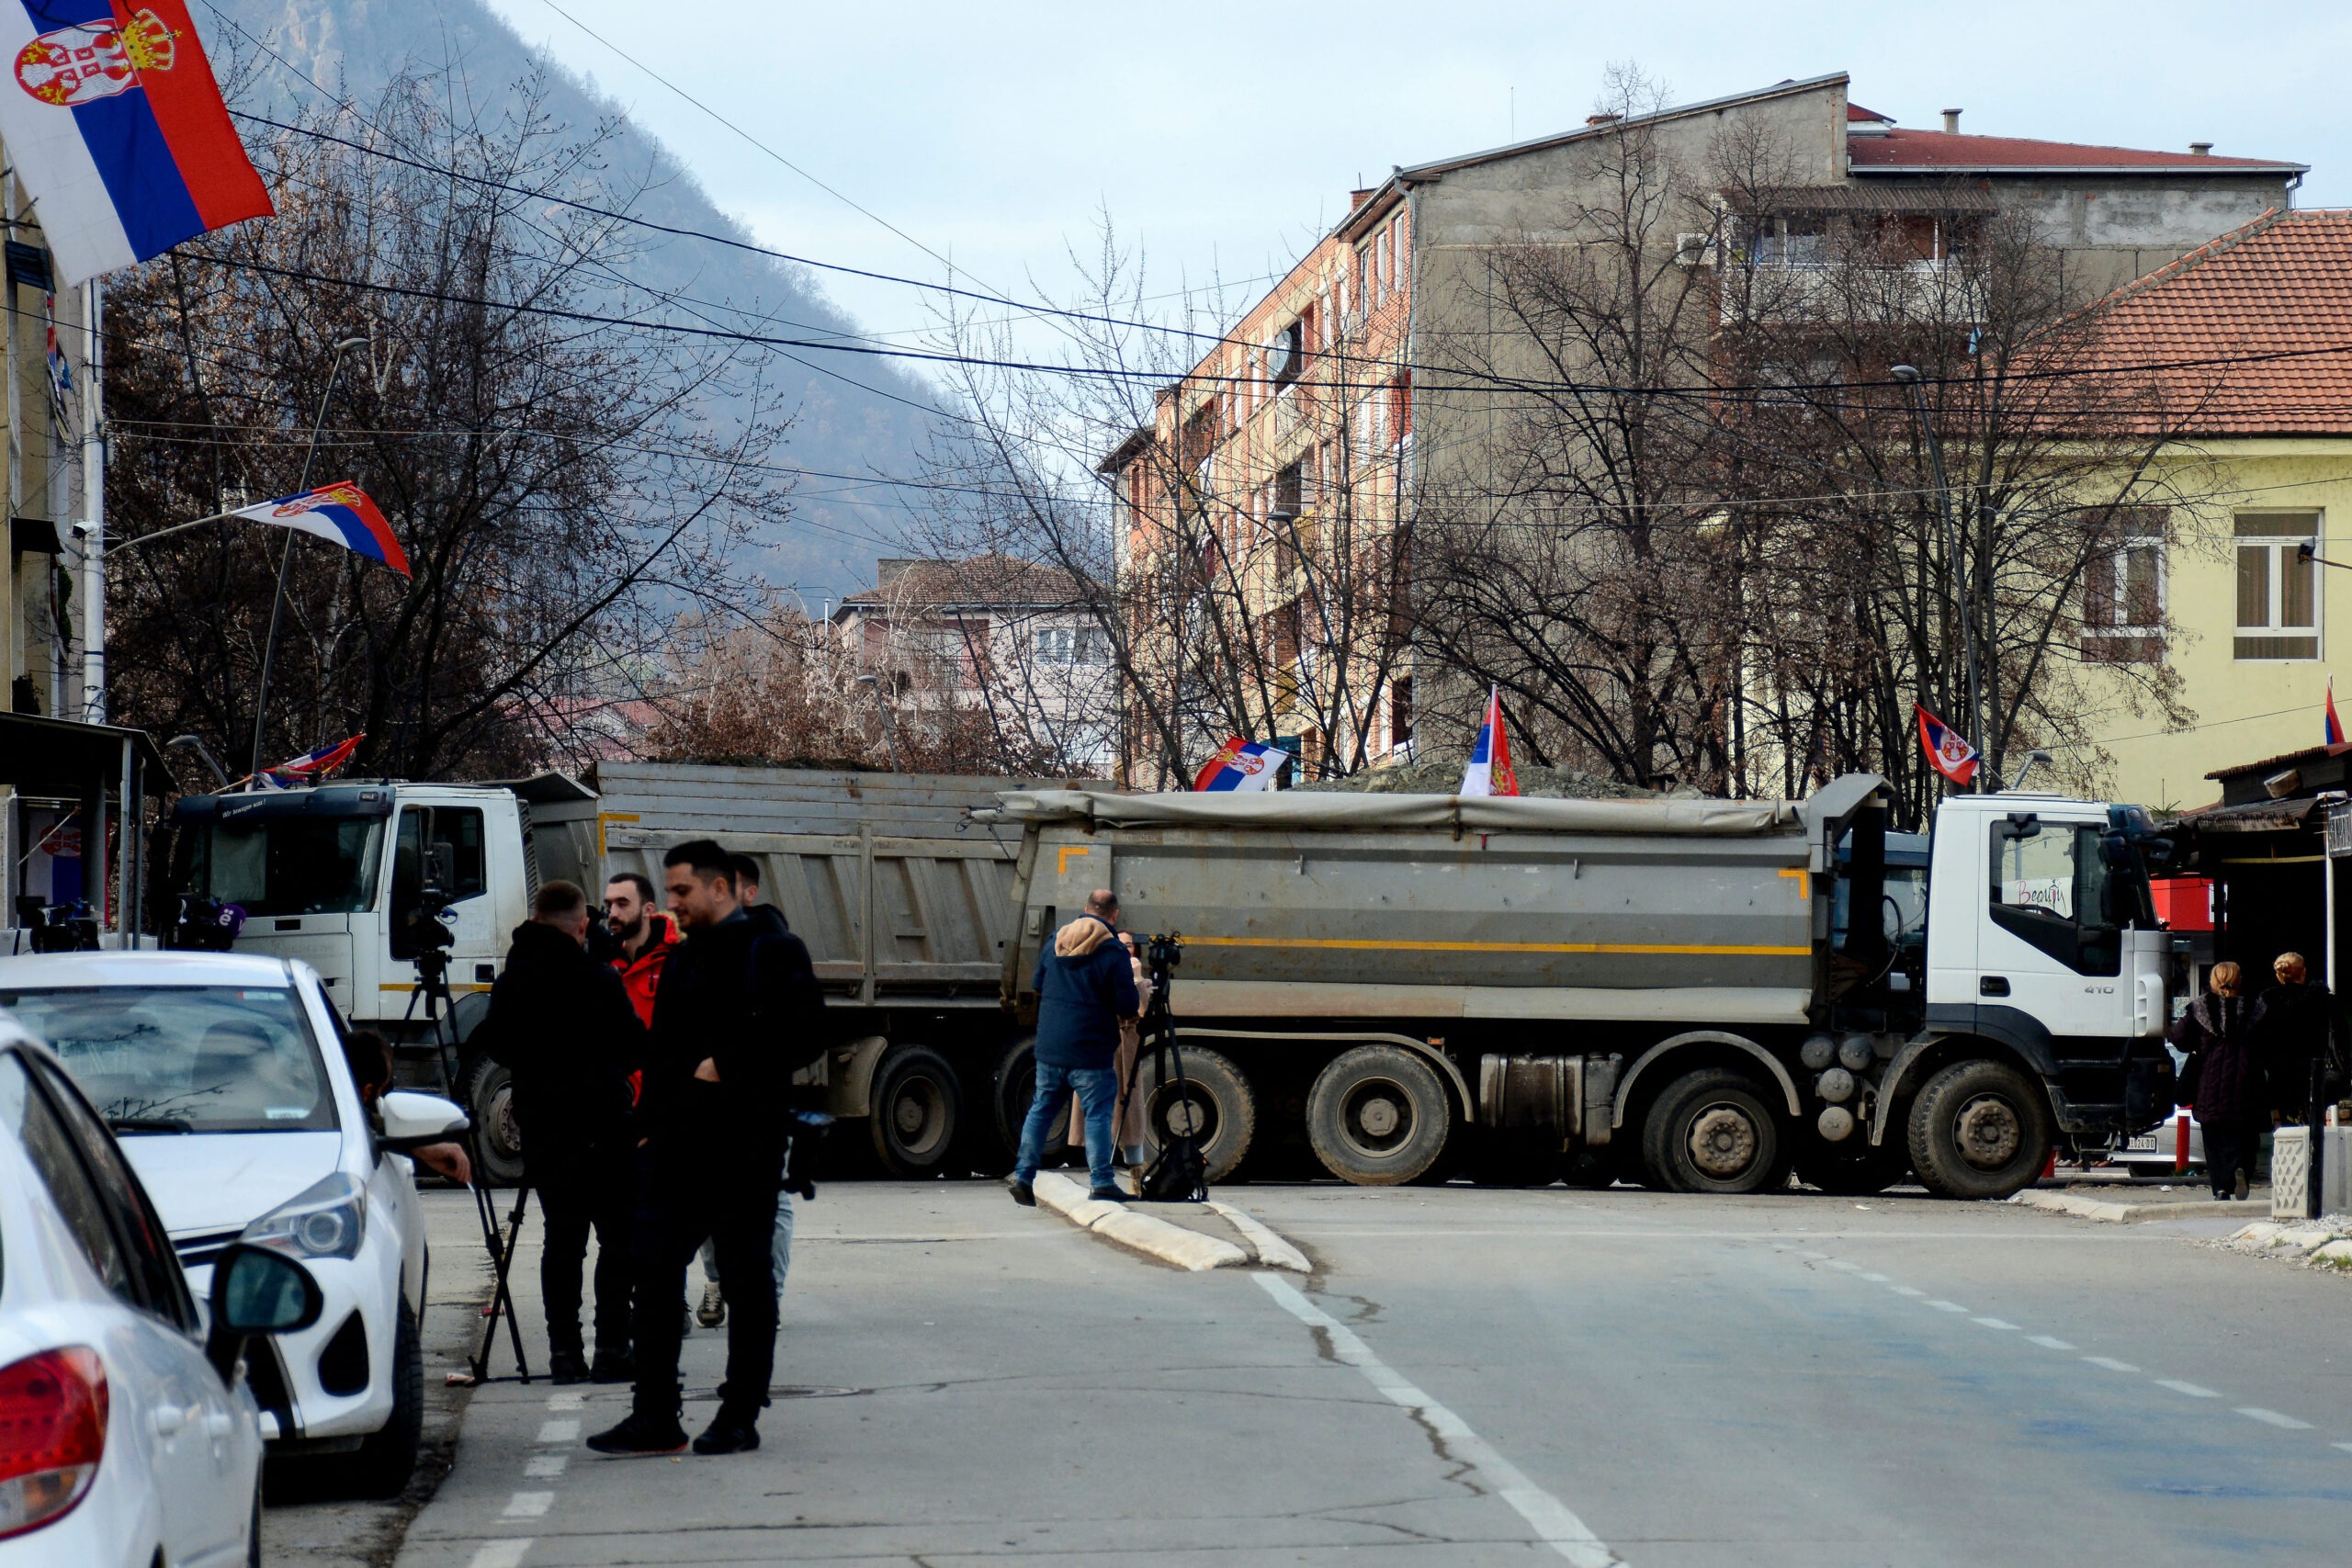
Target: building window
1091 645
1401 710
2123 603
1054 645
1289 490
1288 352
1792 241
2277 590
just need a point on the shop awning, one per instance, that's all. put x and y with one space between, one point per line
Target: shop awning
59 758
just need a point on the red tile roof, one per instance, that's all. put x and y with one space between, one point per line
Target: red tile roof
1855 111
1946 151
2277 292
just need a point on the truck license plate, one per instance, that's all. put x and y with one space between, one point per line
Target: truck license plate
2145 1143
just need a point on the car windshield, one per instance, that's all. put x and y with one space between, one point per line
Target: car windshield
284 865
185 1058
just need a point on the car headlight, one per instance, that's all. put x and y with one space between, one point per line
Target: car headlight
325 1220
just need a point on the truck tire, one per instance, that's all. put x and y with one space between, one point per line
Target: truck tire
1378 1116
498 1138
1979 1129
1221 1112
1713 1131
917 1102
1015 1086
1856 1172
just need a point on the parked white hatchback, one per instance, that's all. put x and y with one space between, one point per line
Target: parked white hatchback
126 1437
225 1077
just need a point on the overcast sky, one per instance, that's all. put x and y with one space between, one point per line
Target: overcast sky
1225 137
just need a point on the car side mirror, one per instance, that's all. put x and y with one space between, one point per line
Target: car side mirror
257 1290
412 1119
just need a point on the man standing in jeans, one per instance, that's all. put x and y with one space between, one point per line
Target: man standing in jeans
1084 987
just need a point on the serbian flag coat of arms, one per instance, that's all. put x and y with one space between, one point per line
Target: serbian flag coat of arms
1489 772
340 514
115 126
1241 764
1947 752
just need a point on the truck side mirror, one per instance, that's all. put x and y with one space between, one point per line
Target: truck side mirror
2024 825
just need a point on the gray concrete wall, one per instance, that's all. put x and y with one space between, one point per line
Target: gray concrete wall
2124 229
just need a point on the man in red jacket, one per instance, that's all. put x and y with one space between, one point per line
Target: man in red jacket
646 936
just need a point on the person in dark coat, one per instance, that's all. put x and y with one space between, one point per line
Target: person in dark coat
2223 1080
738 1014
2294 1025
1085 986
562 1023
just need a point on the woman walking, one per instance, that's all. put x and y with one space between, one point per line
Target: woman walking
2223 1080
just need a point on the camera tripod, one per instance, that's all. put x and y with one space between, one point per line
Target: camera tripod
433 986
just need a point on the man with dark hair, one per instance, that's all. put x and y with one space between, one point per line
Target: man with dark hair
562 1023
1085 986
738 1011
645 933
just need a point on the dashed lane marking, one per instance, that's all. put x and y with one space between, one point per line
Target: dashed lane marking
545 1467
2048 1342
2194 1391
559 1431
2110 1364
1907 1290
1556 1525
2346 1446
1995 1323
501 1554
1947 1306
2273 1419
529 1505
1874 1278
566 1401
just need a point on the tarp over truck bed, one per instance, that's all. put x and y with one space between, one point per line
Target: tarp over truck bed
1312 810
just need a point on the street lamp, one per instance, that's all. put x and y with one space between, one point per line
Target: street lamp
1910 379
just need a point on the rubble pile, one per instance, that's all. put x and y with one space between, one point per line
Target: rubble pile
2323 1243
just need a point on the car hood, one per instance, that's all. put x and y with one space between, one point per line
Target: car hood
203 1183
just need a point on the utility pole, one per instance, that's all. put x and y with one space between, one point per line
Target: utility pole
1961 601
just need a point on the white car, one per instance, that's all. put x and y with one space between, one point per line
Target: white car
224 1076
127 1438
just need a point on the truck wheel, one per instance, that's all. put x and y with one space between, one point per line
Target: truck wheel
1979 1130
498 1138
1220 1111
917 1103
1854 1173
1712 1132
1016 1085
1377 1116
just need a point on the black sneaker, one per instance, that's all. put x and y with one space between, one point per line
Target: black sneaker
566 1367
635 1435
728 1435
1106 1194
1023 1194
614 1366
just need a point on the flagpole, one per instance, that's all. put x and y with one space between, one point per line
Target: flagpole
285 554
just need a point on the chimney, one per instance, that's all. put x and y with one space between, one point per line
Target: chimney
2202 149
1356 198
1951 122
1600 118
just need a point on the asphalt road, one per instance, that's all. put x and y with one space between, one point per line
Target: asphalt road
1475 1377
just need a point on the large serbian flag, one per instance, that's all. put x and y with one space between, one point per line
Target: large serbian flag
115 124
1489 772
309 766
341 513
1947 752
1241 764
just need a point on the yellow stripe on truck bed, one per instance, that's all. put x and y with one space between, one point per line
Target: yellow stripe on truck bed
1497 946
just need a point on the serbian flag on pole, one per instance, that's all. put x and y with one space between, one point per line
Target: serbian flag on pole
1489 770
1241 764
309 766
341 513
115 126
2334 725
1947 752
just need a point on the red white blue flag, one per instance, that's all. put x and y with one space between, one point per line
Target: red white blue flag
1947 752
341 513
2334 725
1241 764
115 126
1489 772
309 766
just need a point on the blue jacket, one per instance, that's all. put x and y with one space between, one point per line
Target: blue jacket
1084 986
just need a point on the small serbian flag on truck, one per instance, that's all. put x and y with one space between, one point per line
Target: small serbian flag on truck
309 766
341 513
1489 770
1241 764
1947 752
115 126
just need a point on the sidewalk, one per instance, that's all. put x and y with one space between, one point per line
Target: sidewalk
1215 1235
2126 1201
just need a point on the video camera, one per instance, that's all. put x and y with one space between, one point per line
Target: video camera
205 925
1162 953
58 928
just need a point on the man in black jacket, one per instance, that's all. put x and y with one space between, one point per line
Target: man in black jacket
739 1012
562 1023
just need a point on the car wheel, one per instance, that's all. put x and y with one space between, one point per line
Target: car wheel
1215 1105
1378 1116
917 1102
1979 1130
253 1527
1712 1132
387 1458
498 1138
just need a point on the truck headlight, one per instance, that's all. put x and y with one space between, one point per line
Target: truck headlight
325 1220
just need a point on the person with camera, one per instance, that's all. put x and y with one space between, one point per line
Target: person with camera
645 936
562 1023
738 1011
1085 988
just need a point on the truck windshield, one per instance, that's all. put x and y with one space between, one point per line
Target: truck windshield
284 865
185 1058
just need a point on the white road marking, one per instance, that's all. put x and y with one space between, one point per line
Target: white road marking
501 1554
1841 1263
559 1431
1907 1290
2110 1364
566 1401
2049 1342
529 1505
1556 1525
2194 1391
1875 1279
2346 1446
545 1467
2272 1417
1947 1306
1994 1322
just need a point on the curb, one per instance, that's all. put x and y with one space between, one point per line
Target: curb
2124 1213
1115 1221
1273 1250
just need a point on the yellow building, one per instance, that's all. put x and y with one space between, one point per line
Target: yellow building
2249 340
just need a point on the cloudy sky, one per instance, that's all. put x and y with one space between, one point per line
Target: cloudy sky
1224 137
